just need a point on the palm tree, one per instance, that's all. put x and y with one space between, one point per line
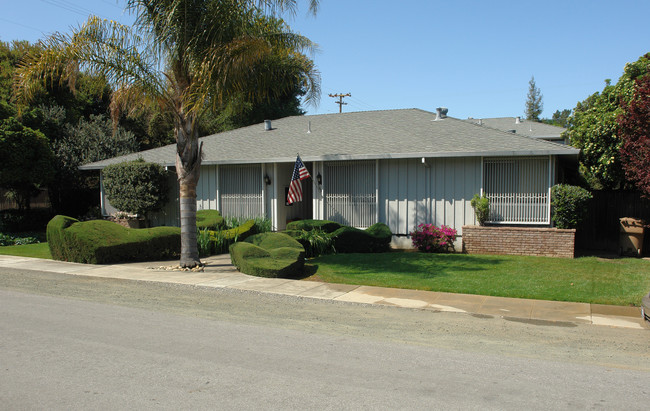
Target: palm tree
187 56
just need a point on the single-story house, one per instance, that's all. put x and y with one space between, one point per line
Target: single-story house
517 125
399 167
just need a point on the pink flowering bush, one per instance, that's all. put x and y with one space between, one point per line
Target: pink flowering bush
429 238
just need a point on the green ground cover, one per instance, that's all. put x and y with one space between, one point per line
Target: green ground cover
587 279
40 250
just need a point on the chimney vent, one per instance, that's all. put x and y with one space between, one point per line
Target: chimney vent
480 121
517 120
441 112
309 127
267 125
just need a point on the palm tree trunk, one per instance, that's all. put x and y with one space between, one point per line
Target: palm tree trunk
189 249
188 165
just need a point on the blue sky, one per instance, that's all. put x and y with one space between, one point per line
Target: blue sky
474 57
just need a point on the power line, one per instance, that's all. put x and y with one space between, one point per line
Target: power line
68 7
340 102
21 24
362 104
72 7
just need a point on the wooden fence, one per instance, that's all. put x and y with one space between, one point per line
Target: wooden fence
601 229
39 201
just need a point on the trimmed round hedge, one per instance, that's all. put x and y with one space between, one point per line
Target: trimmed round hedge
273 255
102 242
374 239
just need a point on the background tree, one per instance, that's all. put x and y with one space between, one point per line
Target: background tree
593 128
634 122
63 114
26 161
559 118
87 141
534 105
208 51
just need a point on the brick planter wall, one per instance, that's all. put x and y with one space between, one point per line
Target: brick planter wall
548 242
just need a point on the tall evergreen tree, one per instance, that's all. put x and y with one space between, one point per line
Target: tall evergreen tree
534 105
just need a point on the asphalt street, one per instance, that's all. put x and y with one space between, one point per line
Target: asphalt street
89 343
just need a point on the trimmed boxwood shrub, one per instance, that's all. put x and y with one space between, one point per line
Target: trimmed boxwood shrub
55 239
569 205
381 237
209 219
102 242
375 239
269 255
308 225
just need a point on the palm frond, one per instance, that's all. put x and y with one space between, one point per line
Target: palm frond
99 47
279 6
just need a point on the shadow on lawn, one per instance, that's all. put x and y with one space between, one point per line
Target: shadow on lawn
415 264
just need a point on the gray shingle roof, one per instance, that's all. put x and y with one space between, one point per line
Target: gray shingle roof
406 133
524 127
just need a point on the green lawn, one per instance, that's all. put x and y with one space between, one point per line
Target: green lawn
40 250
588 279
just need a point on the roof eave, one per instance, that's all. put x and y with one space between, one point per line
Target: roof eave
388 156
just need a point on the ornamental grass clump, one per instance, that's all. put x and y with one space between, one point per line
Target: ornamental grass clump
429 238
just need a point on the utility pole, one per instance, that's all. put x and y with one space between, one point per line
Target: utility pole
340 102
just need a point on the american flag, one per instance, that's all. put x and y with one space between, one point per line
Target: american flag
295 188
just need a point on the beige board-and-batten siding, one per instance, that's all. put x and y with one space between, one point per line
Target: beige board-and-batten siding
546 242
434 191
402 193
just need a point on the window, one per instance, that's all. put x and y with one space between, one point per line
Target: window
240 189
518 189
350 193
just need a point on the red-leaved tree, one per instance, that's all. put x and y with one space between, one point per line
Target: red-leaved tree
634 125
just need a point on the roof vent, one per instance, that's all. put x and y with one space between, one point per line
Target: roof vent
517 120
480 122
309 127
267 125
512 131
441 112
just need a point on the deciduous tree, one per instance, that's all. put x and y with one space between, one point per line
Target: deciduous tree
634 122
594 129
26 161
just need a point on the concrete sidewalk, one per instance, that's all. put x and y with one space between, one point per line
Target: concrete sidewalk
220 273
